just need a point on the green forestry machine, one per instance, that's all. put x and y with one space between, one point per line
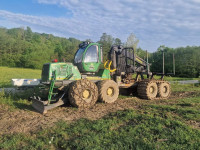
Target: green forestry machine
82 83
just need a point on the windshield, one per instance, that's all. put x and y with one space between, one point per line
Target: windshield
78 56
92 54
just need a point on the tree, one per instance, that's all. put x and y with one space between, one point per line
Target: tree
59 51
161 48
28 35
106 41
36 38
88 40
24 48
20 48
132 41
118 41
141 53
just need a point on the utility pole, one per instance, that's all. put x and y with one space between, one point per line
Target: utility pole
173 64
163 62
147 64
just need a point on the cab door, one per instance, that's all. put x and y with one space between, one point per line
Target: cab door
91 58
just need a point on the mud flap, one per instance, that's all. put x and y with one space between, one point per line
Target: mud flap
43 106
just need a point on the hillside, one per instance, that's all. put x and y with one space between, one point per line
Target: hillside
23 48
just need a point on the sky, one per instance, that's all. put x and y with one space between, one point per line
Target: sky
173 23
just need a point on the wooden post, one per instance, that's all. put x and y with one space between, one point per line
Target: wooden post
147 64
173 64
163 62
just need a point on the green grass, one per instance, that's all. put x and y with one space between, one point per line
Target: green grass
184 111
10 73
121 130
154 125
163 124
16 101
14 73
170 78
185 87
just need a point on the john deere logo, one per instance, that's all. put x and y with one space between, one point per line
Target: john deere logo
91 67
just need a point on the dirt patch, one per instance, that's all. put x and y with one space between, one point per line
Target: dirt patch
30 121
194 124
186 94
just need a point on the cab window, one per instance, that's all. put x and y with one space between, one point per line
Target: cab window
78 56
92 54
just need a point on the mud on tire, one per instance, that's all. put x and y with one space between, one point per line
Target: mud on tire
147 90
164 90
108 91
83 93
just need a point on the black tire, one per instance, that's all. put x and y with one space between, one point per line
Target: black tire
147 90
125 91
164 90
83 93
108 91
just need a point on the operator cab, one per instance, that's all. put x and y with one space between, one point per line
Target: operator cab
88 57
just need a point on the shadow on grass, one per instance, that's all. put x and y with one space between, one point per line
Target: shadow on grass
23 106
22 100
5 84
185 105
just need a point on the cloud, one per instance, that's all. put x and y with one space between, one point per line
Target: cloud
196 1
154 23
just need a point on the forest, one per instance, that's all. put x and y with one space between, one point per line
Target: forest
21 47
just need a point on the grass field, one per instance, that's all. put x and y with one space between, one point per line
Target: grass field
171 78
16 73
140 124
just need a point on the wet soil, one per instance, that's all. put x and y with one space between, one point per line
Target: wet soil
23 121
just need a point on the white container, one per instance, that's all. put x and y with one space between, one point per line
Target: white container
25 82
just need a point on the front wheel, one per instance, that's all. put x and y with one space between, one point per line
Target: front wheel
108 91
83 93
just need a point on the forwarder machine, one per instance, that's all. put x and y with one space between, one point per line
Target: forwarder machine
83 82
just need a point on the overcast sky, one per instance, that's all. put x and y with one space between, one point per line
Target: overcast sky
172 23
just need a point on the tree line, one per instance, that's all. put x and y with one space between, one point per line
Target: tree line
21 47
187 60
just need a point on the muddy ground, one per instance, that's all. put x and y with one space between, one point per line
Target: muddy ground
28 121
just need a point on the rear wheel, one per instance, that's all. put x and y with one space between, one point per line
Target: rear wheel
108 91
147 90
164 90
83 93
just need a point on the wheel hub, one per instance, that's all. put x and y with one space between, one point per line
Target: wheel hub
110 91
151 89
164 89
86 94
